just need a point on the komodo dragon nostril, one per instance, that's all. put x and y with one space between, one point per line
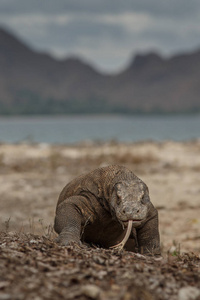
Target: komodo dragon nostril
126 210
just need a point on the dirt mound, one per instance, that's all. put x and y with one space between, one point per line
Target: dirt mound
34 267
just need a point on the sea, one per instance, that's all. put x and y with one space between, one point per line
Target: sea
119 128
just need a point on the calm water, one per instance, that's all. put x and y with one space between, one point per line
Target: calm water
121 128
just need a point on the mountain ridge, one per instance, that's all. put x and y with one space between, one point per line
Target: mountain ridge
37 83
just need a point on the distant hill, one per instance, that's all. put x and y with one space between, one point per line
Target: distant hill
36 83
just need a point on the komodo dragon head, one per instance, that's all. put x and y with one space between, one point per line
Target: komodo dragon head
130 201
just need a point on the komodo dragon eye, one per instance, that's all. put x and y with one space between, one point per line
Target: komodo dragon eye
145 199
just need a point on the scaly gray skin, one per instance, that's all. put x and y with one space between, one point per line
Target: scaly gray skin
96 207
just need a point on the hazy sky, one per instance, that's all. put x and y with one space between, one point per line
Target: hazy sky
107 33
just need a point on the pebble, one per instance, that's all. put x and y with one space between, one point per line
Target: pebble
91 290
189 293
5 297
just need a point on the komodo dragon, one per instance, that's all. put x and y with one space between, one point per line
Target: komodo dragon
97 208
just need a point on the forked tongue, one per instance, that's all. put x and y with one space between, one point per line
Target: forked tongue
120 246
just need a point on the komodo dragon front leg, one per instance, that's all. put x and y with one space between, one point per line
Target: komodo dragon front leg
148 235
69 220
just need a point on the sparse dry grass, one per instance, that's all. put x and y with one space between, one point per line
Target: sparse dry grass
122 158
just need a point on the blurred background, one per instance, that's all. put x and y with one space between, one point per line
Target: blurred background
99 70
87 83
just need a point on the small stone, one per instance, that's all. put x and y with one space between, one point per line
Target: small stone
99 260
4 284
33 242
189 293
5 297
91 290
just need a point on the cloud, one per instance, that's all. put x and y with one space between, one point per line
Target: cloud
153 7
104 32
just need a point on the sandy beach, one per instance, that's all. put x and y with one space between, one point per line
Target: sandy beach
32 176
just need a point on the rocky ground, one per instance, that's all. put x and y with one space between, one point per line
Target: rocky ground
32 266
